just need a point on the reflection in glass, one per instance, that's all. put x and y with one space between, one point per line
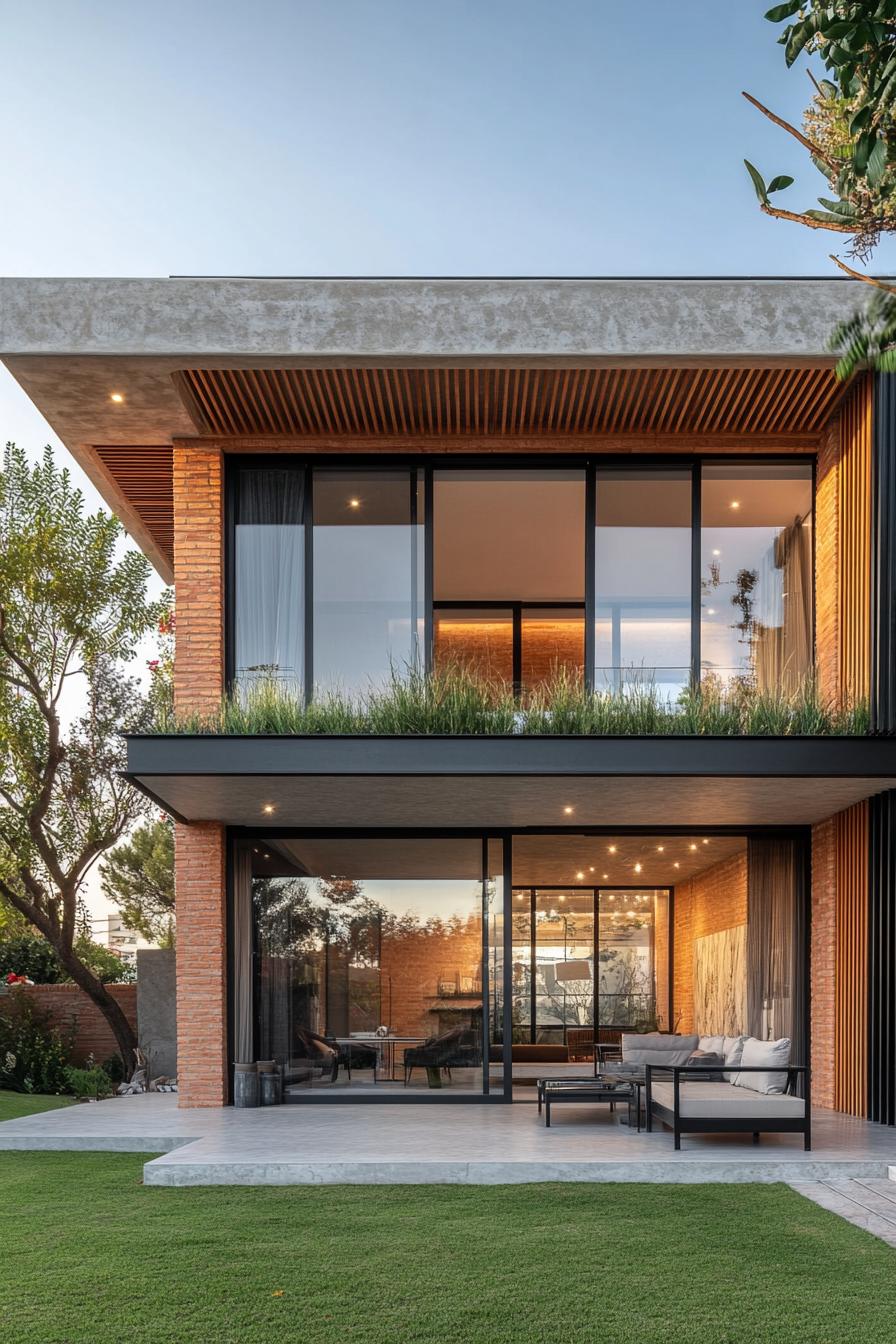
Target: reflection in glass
340 957
477 642
367 577
756 574
563 981
269 564
642 565
631 924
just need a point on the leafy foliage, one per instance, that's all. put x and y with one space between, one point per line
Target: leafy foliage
456 702
72 609
33 1052
30 955
91 1084
868 338
138 877
849 128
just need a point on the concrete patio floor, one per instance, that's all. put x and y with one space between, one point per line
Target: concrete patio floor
435 1144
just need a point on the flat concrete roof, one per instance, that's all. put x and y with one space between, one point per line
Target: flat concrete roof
559 319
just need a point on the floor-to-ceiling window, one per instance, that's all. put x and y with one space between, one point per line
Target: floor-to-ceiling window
642 579
269 577
369 962
756 574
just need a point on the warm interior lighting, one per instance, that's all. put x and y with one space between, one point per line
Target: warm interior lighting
521 895
567 810
117 397
612 849
354 503
606 876
660 848
591 870
676 865
692 847
580 876
735 503
562 898
637 867
268 807
706 842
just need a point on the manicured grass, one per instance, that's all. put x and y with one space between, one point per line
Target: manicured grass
91 1254
14 1104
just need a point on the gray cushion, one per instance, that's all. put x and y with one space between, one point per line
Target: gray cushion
653 1047
704 1059
720 1101
729 1047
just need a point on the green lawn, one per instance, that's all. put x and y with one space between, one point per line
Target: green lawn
14 1104
90 1254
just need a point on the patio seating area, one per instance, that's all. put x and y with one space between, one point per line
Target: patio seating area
437 1144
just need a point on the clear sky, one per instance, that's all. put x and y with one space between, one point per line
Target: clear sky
393 137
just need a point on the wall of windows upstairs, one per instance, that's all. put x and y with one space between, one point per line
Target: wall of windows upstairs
342 577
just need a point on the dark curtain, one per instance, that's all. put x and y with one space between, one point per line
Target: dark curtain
776 951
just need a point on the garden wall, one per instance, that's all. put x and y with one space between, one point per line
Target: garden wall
68 1005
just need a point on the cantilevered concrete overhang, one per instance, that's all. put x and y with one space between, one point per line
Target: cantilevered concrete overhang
124 368
508 782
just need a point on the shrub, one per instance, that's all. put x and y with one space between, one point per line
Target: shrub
114 1069
31 955
33 1052
91 1084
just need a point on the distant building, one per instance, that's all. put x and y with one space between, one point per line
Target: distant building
112 933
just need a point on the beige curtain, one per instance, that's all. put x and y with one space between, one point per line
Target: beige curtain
776 965
242 956
783 654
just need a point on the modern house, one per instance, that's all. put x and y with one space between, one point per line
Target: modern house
634 487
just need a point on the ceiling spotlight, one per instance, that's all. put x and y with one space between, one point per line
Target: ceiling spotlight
692 848
268 807
562 898
591 870
117 397
611 849
612 898
676 865
567 810
579 876
354 503
706 842
660 848
606 878
735 503
637 867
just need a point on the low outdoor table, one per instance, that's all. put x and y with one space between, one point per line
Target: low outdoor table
580 1090
637 1079
385 1048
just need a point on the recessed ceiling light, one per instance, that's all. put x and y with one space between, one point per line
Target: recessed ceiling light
567 810
611 849
676 865
706 842
660 848
268 807
612 898
354 503
606 878
735 503
692 847
579 876
117 397
591 870
562 898
637 867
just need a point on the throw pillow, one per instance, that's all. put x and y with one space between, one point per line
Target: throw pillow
764 1054
705 1058
732 1049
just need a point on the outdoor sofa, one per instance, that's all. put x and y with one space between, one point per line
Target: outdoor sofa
721 1085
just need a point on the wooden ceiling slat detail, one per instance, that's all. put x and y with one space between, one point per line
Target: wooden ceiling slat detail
407 402
144 478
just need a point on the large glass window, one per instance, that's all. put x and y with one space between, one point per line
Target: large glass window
642 576
269 565
368 577
370 961
756 574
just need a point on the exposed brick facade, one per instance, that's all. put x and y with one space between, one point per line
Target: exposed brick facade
823 964
201 964
72 1010
713 900
827 554
199 578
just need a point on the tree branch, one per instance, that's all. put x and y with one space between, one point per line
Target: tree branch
792 130
866 279
809 222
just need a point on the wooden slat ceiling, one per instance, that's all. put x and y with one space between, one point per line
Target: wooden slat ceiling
144 477
508 402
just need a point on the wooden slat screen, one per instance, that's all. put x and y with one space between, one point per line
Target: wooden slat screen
508 402
854 575
851 971
144 475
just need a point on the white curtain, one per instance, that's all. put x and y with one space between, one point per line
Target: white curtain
270 563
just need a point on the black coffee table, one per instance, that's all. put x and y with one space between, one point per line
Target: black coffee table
551 1090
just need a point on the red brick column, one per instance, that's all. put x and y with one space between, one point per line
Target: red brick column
201 964
823 954
198 577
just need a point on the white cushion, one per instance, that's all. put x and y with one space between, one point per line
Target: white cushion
724 1101
729 1047
763 1054
653 1047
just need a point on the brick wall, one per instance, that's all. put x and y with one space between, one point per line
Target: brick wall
713 900
201 964
198 577
70 1008
823 962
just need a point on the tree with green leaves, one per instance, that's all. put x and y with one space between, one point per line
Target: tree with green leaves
138 877
849 132
73 606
